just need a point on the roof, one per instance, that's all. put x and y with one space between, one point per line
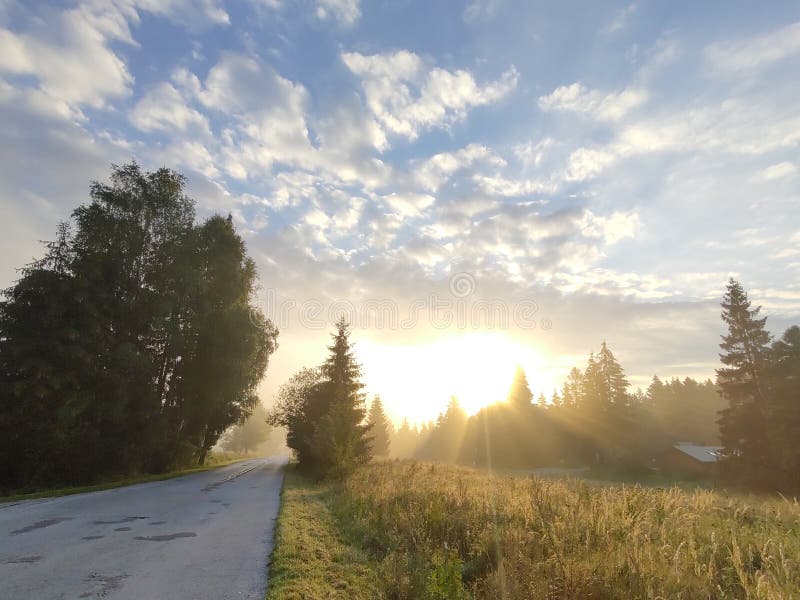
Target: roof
706 454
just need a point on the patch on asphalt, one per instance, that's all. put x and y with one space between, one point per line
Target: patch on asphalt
167 537
23 560
93 537
40 525
216 484
118 521
122 529
103 584
157 523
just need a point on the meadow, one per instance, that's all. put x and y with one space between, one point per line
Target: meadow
439 531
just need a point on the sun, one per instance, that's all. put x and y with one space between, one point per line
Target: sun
416 381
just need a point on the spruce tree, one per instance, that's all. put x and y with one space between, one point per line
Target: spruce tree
520 394
341 438
380 428
784 414
741 380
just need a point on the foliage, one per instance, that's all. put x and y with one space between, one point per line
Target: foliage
132 344
536 538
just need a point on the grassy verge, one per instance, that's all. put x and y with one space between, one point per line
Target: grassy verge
441 532
313 557
107 485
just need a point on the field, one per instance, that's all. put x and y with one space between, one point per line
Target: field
435 531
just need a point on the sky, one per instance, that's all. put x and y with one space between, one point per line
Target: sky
474 184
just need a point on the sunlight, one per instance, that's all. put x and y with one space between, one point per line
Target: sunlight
476 367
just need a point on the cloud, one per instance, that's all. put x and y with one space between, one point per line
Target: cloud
409 205
163 108
620 20
606 107
346 12
407 98
781 170
71 61
757 52
435 171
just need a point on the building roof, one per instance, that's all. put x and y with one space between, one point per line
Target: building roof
706 454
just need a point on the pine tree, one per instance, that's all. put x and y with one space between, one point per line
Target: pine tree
520 394
380 428
341 438
745 352
784 413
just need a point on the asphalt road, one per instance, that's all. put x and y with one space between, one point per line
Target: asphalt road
205 536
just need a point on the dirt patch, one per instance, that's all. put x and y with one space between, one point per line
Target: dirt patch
103 584
122 529
93 537
157 523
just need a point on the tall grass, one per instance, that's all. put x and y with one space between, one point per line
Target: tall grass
449 532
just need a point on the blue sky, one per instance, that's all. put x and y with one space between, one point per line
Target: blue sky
616 162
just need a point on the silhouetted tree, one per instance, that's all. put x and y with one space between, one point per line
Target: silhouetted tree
745 352
520 394
380 428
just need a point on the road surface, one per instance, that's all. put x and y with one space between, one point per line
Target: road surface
205 536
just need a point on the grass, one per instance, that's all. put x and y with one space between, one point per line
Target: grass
312 556
437 532
213 462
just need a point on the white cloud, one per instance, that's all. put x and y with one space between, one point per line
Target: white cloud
781 170
407 98
435 171
163 108
608 107
755 52
409 204
477 9
71 61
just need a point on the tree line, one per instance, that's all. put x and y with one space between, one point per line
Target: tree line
752 411
133 343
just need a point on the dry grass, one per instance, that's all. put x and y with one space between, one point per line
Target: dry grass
448 532
312 559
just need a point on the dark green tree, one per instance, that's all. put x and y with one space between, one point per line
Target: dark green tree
380 428
743 424
132 340
784 413
341 437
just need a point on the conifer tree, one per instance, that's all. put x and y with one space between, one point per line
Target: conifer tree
741 379
341 438
380 428
520 394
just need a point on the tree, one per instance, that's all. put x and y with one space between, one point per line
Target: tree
520 394
323 411
133 344
298 408
341 438
380 428
249 435
745 352
784 413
